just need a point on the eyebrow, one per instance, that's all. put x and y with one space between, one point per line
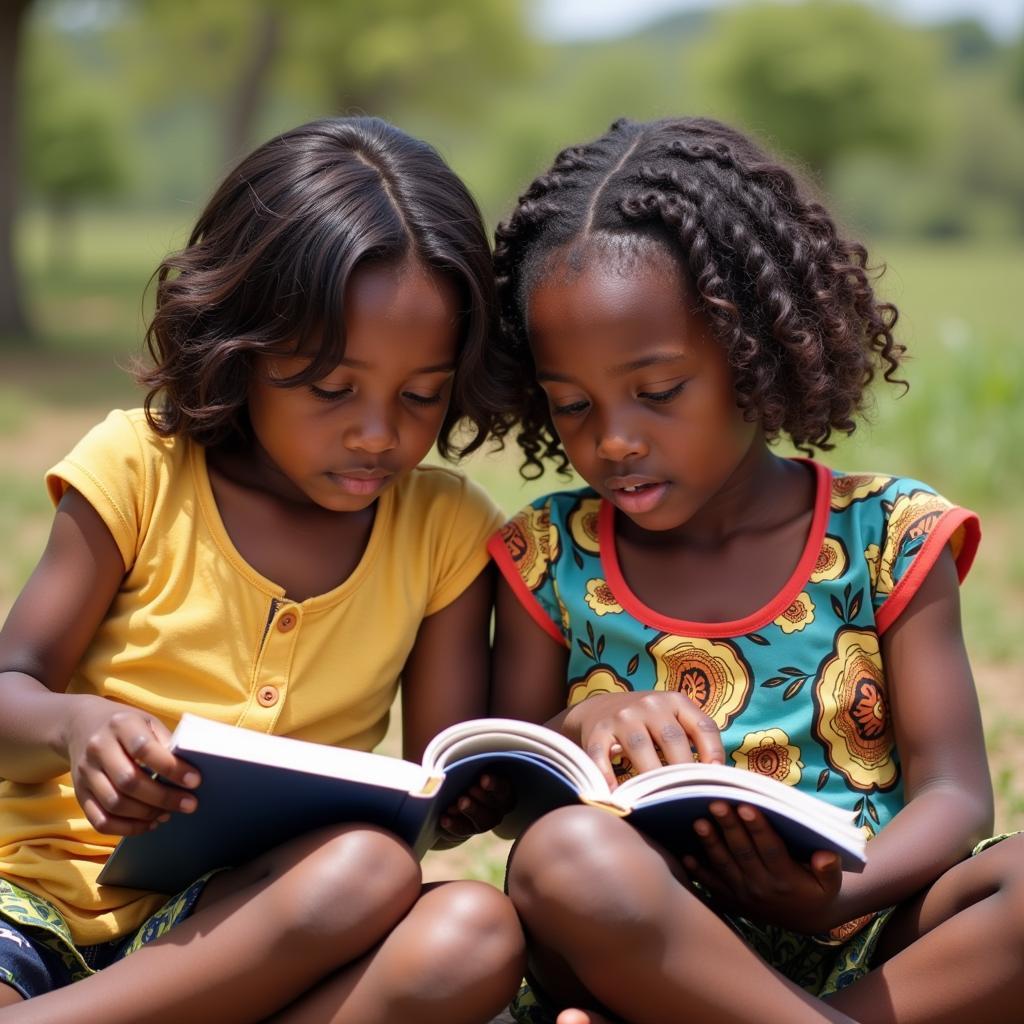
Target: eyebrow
654 359
359 364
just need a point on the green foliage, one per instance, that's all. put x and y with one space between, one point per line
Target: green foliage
71 149
824 78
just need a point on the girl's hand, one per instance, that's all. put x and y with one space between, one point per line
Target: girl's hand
114 751
479 809
638 726
748 869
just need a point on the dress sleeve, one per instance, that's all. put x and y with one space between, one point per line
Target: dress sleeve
108 467
917 524
472 518
526 551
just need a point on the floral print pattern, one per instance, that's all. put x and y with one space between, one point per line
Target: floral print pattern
798 689
600 599
712 673
769 752
798 615
851 718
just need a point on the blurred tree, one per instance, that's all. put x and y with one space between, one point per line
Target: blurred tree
71 156
13 321
824 78
379 58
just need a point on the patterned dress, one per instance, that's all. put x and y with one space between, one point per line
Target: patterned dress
797 688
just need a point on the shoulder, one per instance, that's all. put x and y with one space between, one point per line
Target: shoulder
437 494
537 536
122 448
902 525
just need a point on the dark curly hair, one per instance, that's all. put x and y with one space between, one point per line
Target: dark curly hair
266 265
788 298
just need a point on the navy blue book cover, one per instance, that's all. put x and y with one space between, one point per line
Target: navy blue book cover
245 809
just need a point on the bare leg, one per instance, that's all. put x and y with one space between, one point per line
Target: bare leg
8 995
258 938
456 958
956 952
589 886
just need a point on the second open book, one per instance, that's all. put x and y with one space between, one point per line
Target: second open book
260 790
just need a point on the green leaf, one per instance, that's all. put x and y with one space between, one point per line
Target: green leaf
794 688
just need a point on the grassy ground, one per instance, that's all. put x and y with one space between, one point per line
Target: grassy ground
961 428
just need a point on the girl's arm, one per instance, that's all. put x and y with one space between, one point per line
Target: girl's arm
939 735
44 732
529 682
528 667
938 732
445 677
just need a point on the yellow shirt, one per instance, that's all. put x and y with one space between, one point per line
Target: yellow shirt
194 627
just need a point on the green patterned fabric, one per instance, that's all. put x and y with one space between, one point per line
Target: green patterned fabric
814 966
43 924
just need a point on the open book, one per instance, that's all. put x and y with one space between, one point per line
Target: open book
260 790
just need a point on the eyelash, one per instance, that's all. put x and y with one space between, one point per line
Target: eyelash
650 396
337 396
663 396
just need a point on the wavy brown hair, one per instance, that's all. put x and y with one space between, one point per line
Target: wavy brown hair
790 300
266 266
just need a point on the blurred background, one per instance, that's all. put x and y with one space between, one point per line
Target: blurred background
117 118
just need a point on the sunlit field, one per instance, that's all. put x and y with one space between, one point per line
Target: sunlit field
960 427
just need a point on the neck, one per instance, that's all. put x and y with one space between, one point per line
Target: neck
762 492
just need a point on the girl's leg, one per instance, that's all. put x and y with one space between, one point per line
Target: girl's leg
592 890
259 937
8 995
456 958
956 952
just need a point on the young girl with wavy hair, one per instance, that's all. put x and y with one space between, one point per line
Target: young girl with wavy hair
260 545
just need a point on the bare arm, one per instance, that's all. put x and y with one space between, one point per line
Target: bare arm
45 636
942 750
44 732
528 668
445 677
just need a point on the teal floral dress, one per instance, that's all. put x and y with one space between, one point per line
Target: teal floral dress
797 688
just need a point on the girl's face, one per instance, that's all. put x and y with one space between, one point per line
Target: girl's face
342 441
639 390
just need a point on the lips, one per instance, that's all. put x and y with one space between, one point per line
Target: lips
636 494
360 481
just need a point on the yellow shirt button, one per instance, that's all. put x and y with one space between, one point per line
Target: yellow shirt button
268 696
287 622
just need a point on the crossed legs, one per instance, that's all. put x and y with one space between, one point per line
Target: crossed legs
612 931
333 927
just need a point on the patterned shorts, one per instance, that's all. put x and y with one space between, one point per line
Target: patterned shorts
813 965
37 953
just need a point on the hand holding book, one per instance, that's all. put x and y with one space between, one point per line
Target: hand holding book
649 728
259 790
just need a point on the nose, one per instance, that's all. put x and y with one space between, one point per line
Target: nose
616 442
373 431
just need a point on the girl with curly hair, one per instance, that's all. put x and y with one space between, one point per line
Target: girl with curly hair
672 301
260 545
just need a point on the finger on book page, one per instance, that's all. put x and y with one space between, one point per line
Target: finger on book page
705 736
147 742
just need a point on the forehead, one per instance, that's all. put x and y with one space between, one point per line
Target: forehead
403 293
588 292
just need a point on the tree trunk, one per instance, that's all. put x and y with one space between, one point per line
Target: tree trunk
13 321
252 85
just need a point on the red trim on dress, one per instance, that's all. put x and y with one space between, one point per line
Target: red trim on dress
909 583
510 571
763 616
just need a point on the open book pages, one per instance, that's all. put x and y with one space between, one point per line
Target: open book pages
198 735
495 735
